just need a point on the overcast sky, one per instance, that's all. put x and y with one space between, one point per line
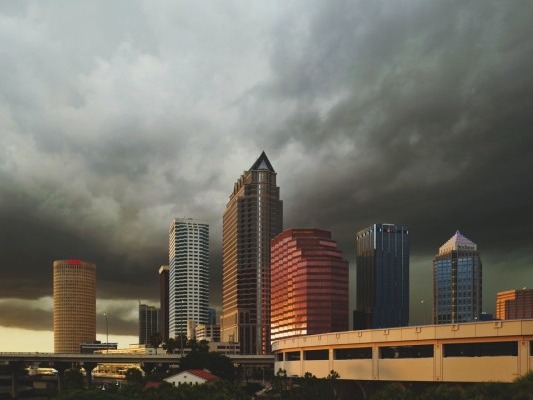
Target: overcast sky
116 117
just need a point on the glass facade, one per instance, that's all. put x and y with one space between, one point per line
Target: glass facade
382 297
149 323
457 282
253 217
309 285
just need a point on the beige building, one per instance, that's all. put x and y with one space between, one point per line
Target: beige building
493 351
74 305
514 304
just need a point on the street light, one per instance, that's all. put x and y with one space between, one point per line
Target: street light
424 304
106 335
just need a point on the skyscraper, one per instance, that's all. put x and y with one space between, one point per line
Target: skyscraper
457 279
189 274
382 257
164 275
74 305
309 284
253 216
515 304
148 323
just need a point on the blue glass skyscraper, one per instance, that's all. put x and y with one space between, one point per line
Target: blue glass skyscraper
457 282
382 257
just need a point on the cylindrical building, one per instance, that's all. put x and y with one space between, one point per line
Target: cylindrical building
74 305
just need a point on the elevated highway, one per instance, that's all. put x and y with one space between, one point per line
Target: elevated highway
159 359
498 351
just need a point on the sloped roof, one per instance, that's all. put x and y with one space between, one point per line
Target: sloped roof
458 242
262 163
200 373
203 374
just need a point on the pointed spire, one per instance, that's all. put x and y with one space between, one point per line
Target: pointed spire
458 242
262 163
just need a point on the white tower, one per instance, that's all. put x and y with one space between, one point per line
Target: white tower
189 274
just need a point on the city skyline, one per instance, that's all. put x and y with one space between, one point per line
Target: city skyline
415 113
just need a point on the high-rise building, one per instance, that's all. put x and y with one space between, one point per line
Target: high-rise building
149 323
189 274
164 273
74 305
309 284
457 282
515 304
382 271
212 316
253 216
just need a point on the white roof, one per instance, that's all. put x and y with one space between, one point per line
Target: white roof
457 242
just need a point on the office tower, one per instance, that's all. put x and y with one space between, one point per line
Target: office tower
309 284
457 273
253 216
382 273
149 323
74 305
164 272
515 304
189 274
212 316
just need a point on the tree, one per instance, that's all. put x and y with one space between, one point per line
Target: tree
393 391
218 364
155 340
170 345
134 375
73 379
203 345
522 387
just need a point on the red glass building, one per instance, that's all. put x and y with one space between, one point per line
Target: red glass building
309 284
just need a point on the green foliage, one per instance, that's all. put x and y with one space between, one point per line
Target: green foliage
394 391
155 340
134 375
333 375
216 363
73 379
522 388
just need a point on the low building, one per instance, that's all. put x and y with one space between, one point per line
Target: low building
209 332
226 348
514 304
97 347
191 377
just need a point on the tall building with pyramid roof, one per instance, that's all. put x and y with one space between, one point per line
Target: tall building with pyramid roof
253 217
457 281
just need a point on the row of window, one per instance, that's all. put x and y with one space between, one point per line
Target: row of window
488 349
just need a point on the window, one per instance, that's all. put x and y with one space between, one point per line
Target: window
489 349
316 355
357 353
292 356
420 351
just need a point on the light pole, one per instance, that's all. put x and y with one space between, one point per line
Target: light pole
106 335
424 304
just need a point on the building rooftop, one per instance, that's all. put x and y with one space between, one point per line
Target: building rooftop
457 242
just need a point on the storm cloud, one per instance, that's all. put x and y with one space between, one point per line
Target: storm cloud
117 118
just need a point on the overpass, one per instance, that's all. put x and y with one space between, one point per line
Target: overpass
61 362
153 359
498 351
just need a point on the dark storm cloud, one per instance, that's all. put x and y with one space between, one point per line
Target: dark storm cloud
408 112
